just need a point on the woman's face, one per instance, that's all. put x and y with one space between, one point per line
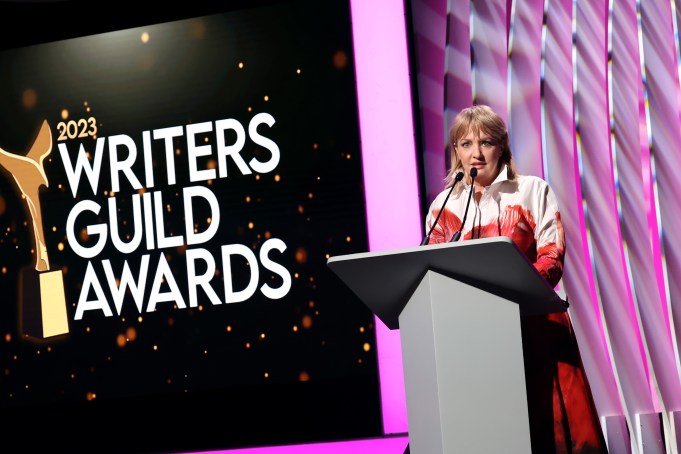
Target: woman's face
483 153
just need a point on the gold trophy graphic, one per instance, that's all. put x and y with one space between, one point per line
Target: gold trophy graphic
41 291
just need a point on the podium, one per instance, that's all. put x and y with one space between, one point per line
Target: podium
458 308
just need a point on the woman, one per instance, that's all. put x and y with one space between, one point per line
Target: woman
561 410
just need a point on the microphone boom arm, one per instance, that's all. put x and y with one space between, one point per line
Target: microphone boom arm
457 234
426 239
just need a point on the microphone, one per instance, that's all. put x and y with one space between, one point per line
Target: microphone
474 173
457 178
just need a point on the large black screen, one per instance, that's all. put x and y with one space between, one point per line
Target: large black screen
169 196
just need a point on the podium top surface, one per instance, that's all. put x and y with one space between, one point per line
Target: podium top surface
384 281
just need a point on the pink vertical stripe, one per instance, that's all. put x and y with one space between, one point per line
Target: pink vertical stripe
524 87
563 174
598 180
388 152
662 89
490 54
430 37
458 78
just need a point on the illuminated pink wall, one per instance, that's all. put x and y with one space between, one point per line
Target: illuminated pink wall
389 162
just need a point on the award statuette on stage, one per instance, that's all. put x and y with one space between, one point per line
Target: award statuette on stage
41 291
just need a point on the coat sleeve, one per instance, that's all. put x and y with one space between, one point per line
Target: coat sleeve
549 236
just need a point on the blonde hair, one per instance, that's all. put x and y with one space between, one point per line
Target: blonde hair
480 118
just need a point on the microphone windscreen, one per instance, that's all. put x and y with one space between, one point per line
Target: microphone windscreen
474 172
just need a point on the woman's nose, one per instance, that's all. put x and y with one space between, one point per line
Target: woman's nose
477 150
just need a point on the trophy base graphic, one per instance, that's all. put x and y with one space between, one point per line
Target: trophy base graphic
43 303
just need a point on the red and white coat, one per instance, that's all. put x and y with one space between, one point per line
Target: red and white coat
524 209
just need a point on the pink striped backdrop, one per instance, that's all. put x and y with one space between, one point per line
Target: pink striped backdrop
591 92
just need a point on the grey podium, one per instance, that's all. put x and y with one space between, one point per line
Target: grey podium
458 308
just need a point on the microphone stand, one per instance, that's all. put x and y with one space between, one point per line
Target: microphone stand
459 177
457 235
